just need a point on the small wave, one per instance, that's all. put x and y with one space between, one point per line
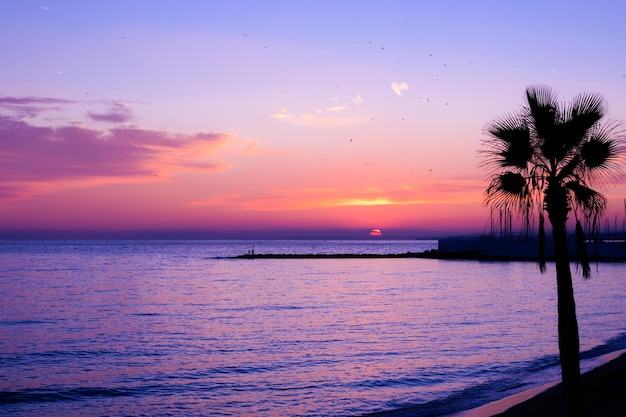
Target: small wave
271 307
467 398
407 381
74 394
611 345
24 322
146 314
544 362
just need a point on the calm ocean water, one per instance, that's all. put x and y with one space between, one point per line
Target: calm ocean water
164 328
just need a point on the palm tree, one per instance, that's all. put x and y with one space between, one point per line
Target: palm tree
547 158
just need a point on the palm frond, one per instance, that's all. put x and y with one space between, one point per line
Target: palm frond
543 110
587 106
542 97
513 145
596 152
578 119
571 168
606 155
591 201
518 154
499 126
571 133
506 189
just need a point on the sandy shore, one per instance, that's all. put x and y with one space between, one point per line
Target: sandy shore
604 394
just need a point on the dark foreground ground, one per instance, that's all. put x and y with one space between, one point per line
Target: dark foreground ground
604 395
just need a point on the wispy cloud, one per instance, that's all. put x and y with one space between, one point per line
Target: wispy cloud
282 113
22 107
117 113
398 88
32 100
99 110
336 109
321 118
254 148
330 116
356 99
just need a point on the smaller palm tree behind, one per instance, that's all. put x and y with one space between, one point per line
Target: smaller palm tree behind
549 158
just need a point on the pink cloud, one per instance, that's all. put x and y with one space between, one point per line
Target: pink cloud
44 155
9 192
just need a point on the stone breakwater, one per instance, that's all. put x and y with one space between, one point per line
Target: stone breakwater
427 254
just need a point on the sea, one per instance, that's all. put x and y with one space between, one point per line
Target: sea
181 328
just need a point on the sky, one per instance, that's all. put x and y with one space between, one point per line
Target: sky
278 118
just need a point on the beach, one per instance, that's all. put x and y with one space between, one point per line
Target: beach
603 395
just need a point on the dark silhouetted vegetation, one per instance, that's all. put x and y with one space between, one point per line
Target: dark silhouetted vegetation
550 157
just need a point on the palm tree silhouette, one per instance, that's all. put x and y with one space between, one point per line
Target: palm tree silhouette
547 157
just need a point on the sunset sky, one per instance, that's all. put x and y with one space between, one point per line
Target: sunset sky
278 118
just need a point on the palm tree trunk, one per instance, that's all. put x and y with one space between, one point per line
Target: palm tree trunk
569 345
